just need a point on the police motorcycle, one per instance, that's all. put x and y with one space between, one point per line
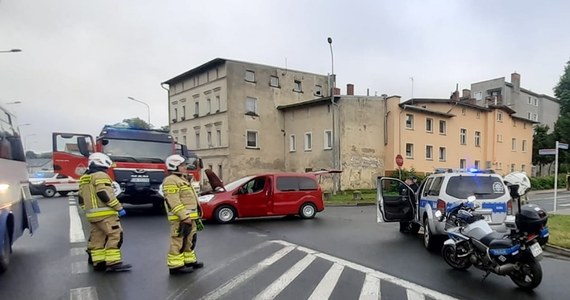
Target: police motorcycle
472 242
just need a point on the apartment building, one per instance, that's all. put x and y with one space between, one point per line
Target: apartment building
526 103
449 133
226 111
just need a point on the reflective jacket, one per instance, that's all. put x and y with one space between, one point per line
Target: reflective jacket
181 201
96 208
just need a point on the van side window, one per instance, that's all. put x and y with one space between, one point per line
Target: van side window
307 184
287 184
435 187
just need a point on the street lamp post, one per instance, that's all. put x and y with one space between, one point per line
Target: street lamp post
11 51
147 106
335 146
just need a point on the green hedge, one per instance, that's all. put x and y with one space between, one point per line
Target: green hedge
547 182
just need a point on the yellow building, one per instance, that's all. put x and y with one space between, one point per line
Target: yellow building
447 133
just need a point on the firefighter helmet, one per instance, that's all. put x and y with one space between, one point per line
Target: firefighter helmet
100 159
173 161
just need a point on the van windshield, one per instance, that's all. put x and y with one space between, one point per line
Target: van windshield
482 187
235 184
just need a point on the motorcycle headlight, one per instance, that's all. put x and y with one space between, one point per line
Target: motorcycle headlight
206 198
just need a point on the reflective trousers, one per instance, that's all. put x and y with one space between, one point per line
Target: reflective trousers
182 245
106 240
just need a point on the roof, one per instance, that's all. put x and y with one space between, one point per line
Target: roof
135 134
533 93
313 102
524 119
443 101
425 110
218 61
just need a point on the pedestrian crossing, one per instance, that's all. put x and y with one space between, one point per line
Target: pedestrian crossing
296 272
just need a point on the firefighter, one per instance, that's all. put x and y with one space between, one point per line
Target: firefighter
102 210
181 202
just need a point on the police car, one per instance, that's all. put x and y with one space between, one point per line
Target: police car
48 183
439 191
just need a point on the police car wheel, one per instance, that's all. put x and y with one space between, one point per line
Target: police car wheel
5 253
49 192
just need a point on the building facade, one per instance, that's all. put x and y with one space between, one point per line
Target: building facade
445 133
526 104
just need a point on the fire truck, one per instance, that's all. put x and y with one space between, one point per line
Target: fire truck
138 156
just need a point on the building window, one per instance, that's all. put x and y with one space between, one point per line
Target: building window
500 116
176 114
478 115
535 102
512 167
292 143
219 137
274 81
218 104
499 138
209 138
409 150
318 90
535 117
524 146
514 144
251 105
250 76
183 112
197 140
529 116
297 86
196 109
252 139
328 140
429 125
523 167
308 141
463 136
183 140
529 100
462 163
429 152
209 105
500 166
442 154
479 96
409 121
442 127
477 139
477 164
220 174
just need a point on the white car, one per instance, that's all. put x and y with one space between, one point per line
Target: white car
48 183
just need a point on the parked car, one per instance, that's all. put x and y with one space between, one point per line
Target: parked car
270 194
48 183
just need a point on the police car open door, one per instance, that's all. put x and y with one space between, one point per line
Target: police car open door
395 200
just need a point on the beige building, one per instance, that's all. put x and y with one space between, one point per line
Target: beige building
445 133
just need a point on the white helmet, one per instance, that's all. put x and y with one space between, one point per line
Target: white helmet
173 161
520 179
101 160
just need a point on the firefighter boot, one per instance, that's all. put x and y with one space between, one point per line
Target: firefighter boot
100 267
195 265
181 270
89 258
120 267
190 260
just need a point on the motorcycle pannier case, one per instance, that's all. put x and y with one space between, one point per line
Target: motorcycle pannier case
531 218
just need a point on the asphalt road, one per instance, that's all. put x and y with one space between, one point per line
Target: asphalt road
546 200
342 254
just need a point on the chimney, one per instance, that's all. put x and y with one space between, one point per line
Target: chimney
466 94
350 89
455 96
336 91
516 81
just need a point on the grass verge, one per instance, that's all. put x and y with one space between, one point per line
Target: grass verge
559 226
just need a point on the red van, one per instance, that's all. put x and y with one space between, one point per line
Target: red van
271 194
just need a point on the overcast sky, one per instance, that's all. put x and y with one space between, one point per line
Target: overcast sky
82 59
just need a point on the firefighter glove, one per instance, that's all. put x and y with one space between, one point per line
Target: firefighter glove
199 225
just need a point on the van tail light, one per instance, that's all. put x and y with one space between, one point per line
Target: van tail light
441 206
510 207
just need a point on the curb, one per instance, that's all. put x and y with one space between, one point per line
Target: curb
557 250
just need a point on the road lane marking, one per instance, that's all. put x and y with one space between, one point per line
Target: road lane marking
397 281
79 267
371 288
284 280
564 204
75 228
412 295
84 293
326 286
246 275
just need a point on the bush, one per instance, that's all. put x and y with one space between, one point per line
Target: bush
547 182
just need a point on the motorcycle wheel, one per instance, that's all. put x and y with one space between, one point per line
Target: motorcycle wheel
529 276
450 257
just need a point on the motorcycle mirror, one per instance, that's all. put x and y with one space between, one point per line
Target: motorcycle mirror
471 199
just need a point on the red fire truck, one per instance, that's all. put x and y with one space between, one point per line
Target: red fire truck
138 156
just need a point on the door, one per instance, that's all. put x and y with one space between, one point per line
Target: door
395 200
71 152
253 197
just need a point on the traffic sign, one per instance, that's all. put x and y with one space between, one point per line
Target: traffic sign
562 146
399 160
547 151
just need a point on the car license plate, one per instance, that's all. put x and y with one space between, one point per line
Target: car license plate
140 180
536 249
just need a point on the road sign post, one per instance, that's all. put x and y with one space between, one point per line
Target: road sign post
556 175
400 163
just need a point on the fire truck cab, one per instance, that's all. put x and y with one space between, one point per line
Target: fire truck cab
138 156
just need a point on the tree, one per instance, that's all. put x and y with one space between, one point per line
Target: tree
165 128
562 90
542 140
31 155
135 123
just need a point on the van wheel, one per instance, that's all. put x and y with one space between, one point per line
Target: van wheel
308 211
225 214
49 192
5 253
